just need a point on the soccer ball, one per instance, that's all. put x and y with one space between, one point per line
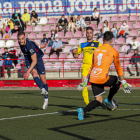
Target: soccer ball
115 103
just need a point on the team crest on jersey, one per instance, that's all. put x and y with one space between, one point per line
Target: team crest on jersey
92 44
31 50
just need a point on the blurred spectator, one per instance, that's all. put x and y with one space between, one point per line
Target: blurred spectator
21 57
5 54
72 21
105 28
44 40
95 16
26 18
114 30
53 37
57 47
11 24
62 24
124 30
19 25
2 25
34 17
133 45
1 67
8 65
134 61
80 24
15 15
13 54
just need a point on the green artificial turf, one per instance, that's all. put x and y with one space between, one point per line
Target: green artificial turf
21 117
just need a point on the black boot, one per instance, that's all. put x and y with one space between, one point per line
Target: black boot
131 74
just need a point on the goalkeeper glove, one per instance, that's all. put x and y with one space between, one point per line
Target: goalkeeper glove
82 85
126 86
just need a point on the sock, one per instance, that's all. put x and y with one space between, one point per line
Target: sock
38 82
46 88
113 91
46 98
93 105
85 95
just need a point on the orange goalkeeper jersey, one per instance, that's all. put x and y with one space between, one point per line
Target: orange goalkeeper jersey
102 59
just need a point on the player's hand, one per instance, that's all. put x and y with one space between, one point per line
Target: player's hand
43 45
26 75
82 85
73 50
126 86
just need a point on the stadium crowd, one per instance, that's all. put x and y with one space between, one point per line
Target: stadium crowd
20 22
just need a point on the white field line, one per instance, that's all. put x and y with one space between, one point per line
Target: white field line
35 115
68 97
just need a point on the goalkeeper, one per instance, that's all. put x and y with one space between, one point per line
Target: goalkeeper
98 76
87 48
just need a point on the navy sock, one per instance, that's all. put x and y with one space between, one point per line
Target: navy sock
38 82
46 87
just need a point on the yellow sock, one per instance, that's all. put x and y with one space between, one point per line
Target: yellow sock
85 95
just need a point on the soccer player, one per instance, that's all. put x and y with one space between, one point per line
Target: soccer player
33 59
98 76
87 48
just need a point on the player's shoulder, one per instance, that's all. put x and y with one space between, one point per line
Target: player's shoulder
97 43
83 44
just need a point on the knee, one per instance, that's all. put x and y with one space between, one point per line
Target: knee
99 98
34 74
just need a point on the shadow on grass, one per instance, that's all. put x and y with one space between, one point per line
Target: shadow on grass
21 107
82 124
64 106
65 97
4 138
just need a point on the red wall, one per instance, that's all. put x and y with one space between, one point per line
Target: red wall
54 83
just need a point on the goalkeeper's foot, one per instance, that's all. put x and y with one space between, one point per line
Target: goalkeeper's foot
44 92
109 104
80 114
45 104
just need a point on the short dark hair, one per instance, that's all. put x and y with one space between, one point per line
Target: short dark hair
44 34
63 15
78 15
21 33
108 36
25 9
5 48
89 28
95 8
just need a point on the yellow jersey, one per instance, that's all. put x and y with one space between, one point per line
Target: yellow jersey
88 48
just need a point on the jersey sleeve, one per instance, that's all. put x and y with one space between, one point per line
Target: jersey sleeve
79 50
31 47
117 64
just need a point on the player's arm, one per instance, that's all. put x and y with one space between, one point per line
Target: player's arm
41 46
34 62
77 52
125 85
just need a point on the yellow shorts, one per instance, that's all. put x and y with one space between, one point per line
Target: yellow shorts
85 69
